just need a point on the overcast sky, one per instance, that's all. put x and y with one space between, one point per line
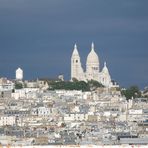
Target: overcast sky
39 35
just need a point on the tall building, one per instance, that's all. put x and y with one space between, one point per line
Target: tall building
19 74
76 68
92 68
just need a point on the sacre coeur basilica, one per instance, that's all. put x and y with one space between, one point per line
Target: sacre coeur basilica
93 71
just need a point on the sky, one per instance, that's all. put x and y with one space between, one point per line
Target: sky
39 35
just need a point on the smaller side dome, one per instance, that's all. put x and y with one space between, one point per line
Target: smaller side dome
105 69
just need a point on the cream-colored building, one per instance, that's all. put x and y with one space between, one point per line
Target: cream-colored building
92 68
7 120
19 74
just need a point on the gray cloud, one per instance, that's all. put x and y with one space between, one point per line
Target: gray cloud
39 36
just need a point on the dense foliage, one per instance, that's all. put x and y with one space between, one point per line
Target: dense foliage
18 85
75 85
131 92
94 84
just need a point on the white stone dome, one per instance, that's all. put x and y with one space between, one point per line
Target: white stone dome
105 69
92 57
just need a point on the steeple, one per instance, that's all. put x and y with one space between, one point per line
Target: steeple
75 46
76 68
75 51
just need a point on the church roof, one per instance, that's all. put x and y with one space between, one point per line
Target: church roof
92 57
19 69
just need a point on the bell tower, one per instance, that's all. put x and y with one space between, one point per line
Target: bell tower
76 68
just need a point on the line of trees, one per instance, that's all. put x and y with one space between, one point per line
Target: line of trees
75 85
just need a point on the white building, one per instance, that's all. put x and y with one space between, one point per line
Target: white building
25 93
6 84
92 68
7 120
19 74
75 117
43 111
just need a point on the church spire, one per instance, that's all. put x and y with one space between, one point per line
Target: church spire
75 51
75 46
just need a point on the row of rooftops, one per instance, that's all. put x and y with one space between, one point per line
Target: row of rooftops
34 120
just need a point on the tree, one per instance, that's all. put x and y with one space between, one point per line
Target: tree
132 91
94 84
18 85
75 85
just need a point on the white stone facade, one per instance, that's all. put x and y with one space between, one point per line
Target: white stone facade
7 120
75 117
43 111
19 74
92 68
6 84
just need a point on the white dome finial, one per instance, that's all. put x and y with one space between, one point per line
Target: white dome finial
92 46
105 64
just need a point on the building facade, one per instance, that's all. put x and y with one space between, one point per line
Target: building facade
93 71
19 74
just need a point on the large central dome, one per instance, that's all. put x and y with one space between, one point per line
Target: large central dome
92 57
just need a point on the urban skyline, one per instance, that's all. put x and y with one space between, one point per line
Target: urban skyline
39 37
73 73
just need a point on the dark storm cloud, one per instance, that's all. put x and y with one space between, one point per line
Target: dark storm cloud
39 35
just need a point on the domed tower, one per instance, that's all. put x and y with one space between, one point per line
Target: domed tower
19 74
76 68
92 65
